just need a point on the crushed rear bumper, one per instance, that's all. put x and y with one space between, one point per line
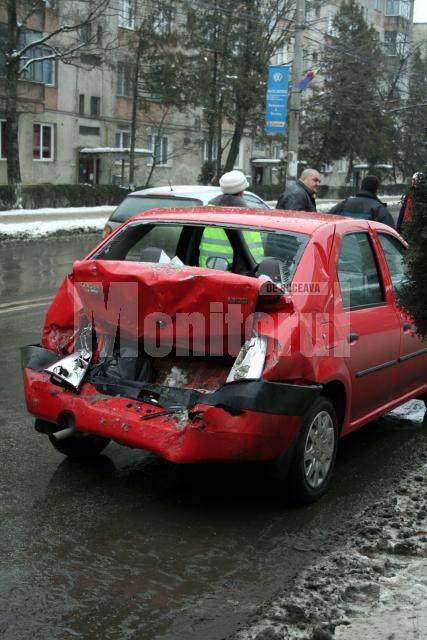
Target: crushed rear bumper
245 420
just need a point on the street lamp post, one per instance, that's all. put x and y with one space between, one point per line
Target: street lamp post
295 94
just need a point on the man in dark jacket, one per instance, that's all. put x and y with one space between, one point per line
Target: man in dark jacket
300 196
365 204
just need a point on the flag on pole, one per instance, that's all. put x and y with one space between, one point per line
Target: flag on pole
308 78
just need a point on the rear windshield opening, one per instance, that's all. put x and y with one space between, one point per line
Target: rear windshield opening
243 250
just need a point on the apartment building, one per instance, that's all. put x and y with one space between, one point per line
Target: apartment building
393 19
419 35
75 119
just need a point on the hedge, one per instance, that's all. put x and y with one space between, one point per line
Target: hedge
37 196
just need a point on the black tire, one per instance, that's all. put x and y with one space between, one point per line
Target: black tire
80 445
306 482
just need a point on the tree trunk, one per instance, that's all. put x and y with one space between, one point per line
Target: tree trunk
135 96
235 145
212 109
350 168
12 115
219 139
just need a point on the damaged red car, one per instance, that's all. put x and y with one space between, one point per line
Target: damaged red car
212 334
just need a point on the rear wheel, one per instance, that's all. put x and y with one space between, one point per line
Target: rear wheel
314 457
80 445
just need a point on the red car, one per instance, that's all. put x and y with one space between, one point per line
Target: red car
287 339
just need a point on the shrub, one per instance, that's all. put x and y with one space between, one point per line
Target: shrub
38 196
6 197
413 294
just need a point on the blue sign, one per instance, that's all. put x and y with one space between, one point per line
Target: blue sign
277 99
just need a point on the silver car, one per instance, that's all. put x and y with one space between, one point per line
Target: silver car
171 196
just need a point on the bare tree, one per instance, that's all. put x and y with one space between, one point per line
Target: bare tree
159 75
234 42
27 44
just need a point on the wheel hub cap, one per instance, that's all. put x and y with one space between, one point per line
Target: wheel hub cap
319 449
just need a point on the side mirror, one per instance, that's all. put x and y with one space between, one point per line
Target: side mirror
216 262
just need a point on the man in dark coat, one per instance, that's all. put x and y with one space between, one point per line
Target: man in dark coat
365 204
300 196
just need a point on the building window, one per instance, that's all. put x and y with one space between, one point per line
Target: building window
164 20
126 14
81 104
205 149
276 152
42 142
159 147
42 71
3 139
95 106
282 55
90 59
86 32
401 8
89 131
122 140
341 165
90 35
395 43
123 80
326 167
379 5
330 28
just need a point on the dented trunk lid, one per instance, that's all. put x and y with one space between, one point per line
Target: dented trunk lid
190 309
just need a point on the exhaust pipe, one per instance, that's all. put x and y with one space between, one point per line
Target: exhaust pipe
64 433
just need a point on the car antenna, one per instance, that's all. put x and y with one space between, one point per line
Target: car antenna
169 183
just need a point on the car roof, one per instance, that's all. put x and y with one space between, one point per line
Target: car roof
205 193
299 221
201 192
178 189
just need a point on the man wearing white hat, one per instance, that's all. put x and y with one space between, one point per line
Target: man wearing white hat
215 241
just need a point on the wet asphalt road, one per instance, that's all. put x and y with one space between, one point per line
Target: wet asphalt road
130 546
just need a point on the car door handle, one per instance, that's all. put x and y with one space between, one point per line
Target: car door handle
352 337
407 326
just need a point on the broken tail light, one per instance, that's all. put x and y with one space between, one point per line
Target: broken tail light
249 364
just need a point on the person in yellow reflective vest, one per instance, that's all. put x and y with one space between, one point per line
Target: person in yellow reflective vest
214 240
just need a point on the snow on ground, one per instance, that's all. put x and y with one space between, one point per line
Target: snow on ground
101 210
27 224
40 228
374 587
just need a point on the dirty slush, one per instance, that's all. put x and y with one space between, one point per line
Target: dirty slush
372 587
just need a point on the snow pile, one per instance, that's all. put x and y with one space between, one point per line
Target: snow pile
38 223
374 587
50 211
40 228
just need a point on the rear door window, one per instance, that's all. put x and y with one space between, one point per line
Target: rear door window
136 204
394 252
358 272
